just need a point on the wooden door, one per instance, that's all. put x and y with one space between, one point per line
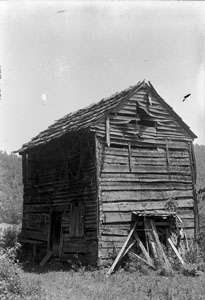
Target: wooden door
77 219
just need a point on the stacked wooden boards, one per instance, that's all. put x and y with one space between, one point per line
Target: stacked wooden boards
92 168
54 179
142 168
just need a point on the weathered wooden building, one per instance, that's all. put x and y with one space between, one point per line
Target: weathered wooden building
85 175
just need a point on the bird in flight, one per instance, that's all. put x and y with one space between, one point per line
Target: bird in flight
60 11
186 96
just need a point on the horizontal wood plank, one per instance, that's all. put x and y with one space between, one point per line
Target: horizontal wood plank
79 246
111 196
146 178
135 186
126 215
144 205
123 167
34 235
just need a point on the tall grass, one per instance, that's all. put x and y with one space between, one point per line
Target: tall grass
82 284
120 286
14 284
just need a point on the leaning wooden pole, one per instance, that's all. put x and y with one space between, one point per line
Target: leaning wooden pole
120 254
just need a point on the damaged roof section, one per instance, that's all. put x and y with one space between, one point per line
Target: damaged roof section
89 116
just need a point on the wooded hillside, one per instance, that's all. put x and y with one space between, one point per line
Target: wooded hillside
11 189
200 164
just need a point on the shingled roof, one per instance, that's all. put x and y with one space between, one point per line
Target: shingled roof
88 116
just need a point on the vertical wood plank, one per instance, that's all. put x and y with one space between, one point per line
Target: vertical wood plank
193 174
120 254
193 158
81 211
49 232
146 236
167 155
97 175
108 130
61 236
130 156
148 230
149 98
163 259
176 252
142 247
25 168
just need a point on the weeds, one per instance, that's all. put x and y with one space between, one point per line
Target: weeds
122 285
14 285
10 237
133 281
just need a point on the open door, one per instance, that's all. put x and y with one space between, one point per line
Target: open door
77 211
54 237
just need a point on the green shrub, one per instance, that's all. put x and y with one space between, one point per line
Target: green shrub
201 243
193 258
196 255
10 237
190 269
13 283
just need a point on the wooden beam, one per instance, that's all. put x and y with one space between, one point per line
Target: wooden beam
194 174
120 254
161 255
186 241
144 251
176 252
49 231
146 235
97 178
61 237
46 258
108 130
130 156
149 98
129 247
34 253
167 157
150 237
135 256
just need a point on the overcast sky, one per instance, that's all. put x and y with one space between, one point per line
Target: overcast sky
57 57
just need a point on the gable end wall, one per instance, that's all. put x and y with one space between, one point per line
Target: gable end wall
150 172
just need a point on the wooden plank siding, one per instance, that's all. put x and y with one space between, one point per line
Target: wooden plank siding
130 152
143 168
62 176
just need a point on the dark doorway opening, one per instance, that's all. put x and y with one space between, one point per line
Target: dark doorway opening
55 237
